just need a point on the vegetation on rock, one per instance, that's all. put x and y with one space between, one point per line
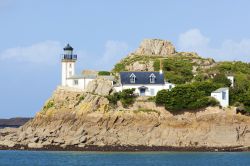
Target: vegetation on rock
126 97
146 111
203 73
103 73
186 96
48 105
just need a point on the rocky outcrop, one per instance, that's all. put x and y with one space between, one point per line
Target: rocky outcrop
90 120
211 127
156 47
99 86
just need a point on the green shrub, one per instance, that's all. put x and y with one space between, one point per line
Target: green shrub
48 105
176 70
152 98
103 73
222 79
126 97
161 97
206 86
201 77
187 96
119 67
114 98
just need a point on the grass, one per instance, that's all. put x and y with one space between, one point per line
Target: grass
81 98
49 105
146 111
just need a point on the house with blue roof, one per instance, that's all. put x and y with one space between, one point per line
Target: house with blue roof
145 83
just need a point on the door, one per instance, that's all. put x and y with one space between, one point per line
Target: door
142 92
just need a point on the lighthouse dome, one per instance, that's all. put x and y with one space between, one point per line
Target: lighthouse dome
68 48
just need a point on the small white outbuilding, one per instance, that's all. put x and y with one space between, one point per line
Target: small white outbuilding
231 78
222 95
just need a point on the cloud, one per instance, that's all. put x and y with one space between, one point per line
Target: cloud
193 40
114 52
46 52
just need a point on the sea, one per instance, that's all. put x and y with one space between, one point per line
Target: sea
49 158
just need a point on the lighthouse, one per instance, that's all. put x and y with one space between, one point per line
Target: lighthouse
68 64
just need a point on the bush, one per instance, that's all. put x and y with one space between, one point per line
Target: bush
177 70
103 73
114 98
48 105
188 96
222 79
201 77
161 97
206 86
119 67
152 98
126 97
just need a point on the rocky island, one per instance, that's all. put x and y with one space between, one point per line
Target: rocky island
95 119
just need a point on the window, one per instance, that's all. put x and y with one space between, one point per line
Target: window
70 73
224 96
70 65
152 78
75 82
132 78
170 87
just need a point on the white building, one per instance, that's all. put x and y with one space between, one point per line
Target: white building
145 83
69 78
231 78
222 95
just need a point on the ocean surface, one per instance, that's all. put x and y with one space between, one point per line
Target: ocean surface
42 158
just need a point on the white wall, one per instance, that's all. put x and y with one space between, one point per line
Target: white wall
231 78
82 83
169 85
68 69
218 96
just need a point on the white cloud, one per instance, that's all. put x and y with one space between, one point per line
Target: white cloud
193 40
114 52
47 52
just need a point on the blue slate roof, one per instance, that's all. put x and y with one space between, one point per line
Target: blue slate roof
141 77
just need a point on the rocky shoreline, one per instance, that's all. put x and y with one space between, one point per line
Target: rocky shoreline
91 124
106 148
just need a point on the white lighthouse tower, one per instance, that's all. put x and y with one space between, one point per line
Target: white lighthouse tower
68 64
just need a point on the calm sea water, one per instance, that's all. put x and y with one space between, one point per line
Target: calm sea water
29 158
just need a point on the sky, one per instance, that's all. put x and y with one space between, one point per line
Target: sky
34 32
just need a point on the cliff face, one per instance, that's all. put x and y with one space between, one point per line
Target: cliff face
86 118
155 47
